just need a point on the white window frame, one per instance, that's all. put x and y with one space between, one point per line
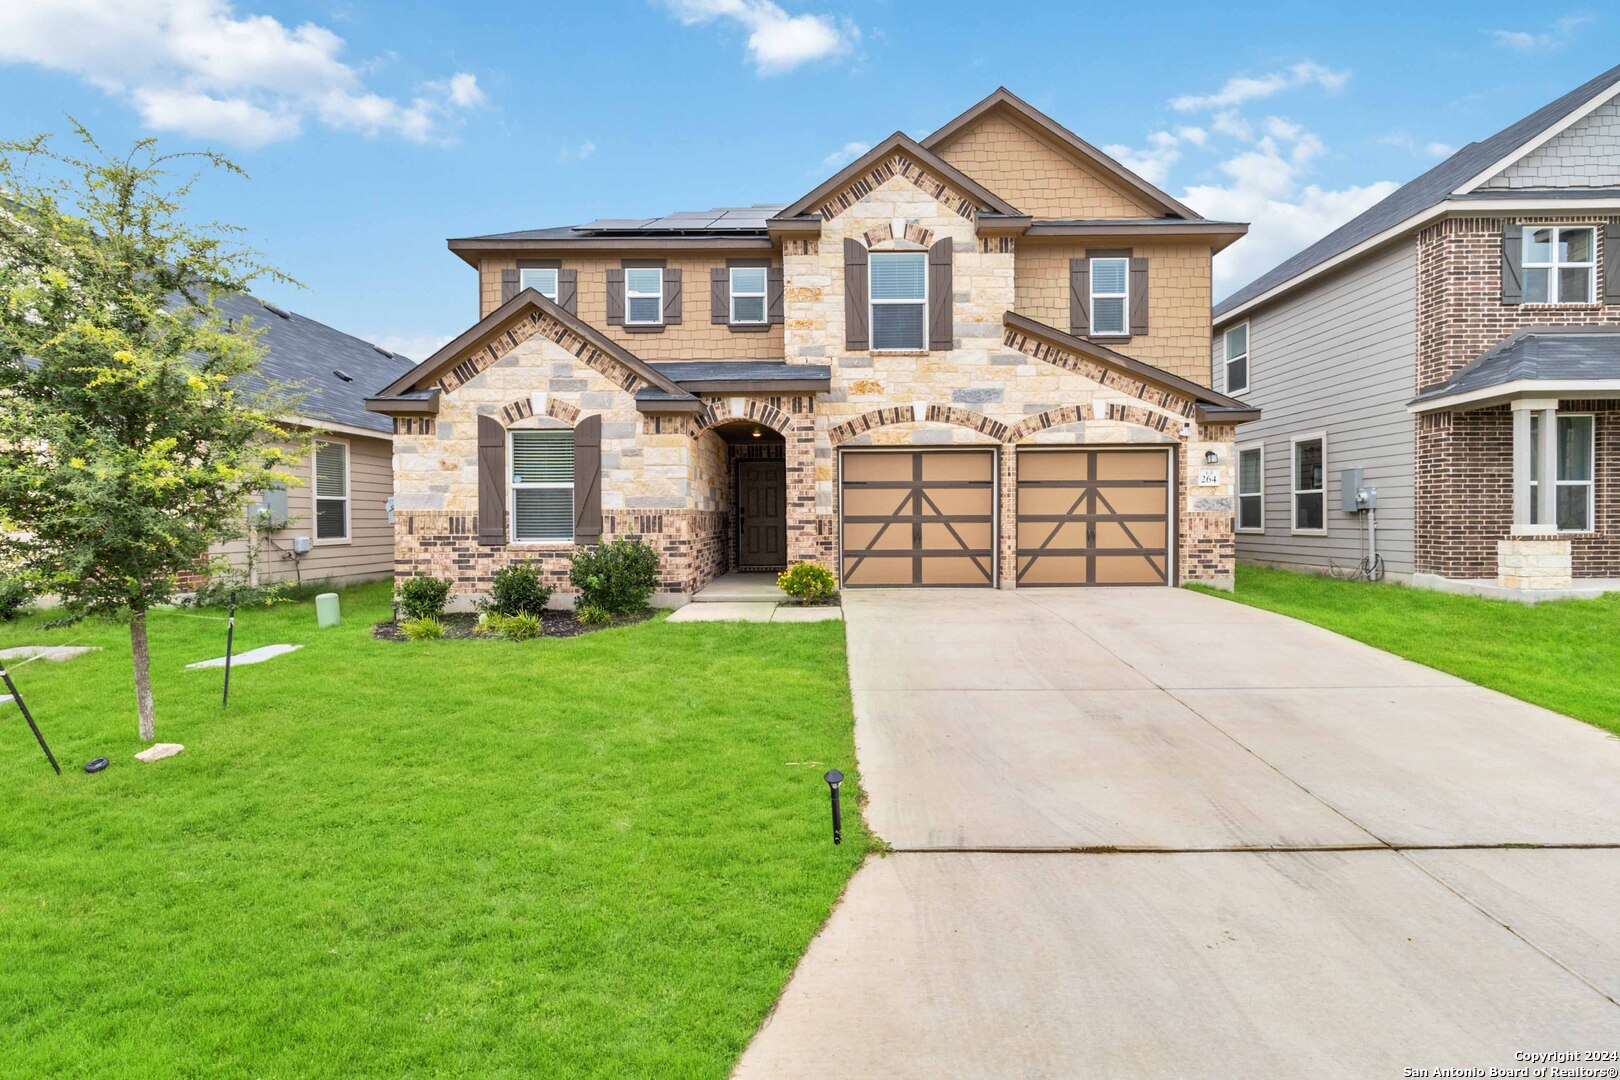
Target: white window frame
764 288
1589 484
1124 297
513 487
1239 494
1295 491
629 294
1226 359
556 279
872 303
316 498
1554 281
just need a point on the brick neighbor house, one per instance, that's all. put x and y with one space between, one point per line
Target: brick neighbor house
1459 345
978 359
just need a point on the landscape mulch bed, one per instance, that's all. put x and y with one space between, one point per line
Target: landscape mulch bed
552 624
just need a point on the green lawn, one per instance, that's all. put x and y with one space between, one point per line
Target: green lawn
1564 655
599 856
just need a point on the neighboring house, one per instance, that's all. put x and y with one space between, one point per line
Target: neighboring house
1459 343
977 359
335 525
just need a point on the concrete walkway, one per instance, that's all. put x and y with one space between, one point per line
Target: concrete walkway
1148 832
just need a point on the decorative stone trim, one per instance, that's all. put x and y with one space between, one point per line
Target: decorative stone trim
523 408
907 414
1098 372
801 247
1051 418
881 235
997 245
538 322
895 414
950 414
902 166
1524 562
413 425
919 235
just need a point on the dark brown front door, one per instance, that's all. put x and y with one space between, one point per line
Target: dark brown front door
920 517
762 514
1093 517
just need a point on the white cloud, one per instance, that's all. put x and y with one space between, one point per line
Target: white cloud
1561 33
1231 124
1439 149
569 154
1242 88
845 154
412 346
1152 164
1406 142
1195 135
777 42
200 68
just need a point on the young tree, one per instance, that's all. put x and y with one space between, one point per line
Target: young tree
127 439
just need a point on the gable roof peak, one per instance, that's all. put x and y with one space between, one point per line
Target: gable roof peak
901 143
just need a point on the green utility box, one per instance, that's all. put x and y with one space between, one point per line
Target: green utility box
326 610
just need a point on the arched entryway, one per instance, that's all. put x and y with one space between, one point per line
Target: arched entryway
755 494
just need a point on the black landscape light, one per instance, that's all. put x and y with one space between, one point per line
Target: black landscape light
834 778
95 765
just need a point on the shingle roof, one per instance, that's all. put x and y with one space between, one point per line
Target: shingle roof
1539 354
720 221
1428 190
307 357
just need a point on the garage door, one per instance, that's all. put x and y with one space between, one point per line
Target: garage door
1093 517
918 517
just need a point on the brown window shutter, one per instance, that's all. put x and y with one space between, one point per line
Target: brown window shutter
1611 263
857 335
941 331
1513 264
1139 296
491 482
509 284
568 291
719 295
773 294
672 297
615 296
1080 297
588 480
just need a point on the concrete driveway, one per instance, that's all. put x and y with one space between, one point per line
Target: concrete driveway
1148 832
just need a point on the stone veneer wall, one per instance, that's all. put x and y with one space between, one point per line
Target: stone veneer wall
1464 461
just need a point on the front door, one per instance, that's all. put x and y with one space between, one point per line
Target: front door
761 515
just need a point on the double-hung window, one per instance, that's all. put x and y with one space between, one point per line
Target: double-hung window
542 279
1310 483
643 296
1251 488
747 294
1559 265
1574 503
1237 359
331 492
1110 288
542 486
899 285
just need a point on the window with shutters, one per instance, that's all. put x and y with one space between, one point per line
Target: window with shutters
747 294
331 492
542 279
643 296
1237 359
1110 296
1574 502
1560 265
542 494
898 284
1251 488
1310 483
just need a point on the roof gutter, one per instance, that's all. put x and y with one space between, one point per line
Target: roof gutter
1501 393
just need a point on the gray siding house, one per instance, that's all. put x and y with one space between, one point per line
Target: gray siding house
1459 344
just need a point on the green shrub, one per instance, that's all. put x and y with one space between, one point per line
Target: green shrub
517 590
423 597
217 590
424 628
807 582
14 596
618 577
594 616
520 627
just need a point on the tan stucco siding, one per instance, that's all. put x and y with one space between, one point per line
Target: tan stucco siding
1034 175
694 338
1178 298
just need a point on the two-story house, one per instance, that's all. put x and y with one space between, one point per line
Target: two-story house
976 359
1455 350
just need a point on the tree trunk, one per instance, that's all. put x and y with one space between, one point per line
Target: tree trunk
143 675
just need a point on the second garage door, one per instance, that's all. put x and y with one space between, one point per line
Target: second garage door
1093 517
918 517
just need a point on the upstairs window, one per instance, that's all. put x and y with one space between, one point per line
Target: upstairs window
899 284
543 486
331 491
1559 265
542 279
643 296
747 294
1574 501
1310 478
1110 287
1251 489
1237 359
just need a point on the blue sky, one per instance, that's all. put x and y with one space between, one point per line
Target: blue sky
374 131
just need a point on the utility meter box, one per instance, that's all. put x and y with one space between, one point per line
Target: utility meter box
1354 494
300 545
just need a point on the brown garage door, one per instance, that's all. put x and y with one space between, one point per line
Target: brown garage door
1093 517
918 517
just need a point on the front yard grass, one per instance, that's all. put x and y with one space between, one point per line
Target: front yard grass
599 856
1563 655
